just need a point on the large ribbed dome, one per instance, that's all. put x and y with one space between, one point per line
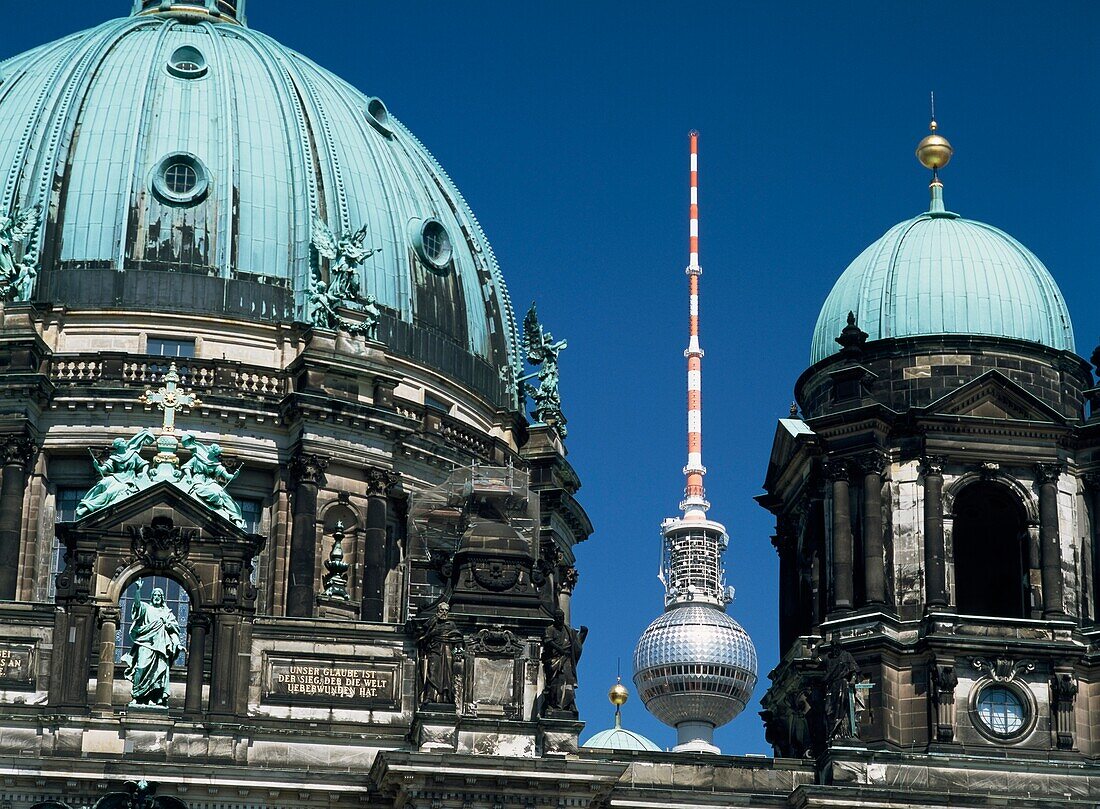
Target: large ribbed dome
941 274
192 153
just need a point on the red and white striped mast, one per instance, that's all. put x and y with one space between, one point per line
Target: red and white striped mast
694 503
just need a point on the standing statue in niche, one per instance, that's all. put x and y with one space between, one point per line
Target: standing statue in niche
840 694
437 641
561 650
155 633
542 352
345 254
206 477
122 473
17 278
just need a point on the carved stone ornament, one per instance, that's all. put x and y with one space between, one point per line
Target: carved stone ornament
380 481
872 463
161 544
1048 472
495 642
988 470
16 450
932 465
1002 669
134 795
944 680
835 469
496 575
308 468
569 577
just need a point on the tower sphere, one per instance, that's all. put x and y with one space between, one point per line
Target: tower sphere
934 151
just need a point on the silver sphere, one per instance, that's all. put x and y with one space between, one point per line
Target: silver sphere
695 664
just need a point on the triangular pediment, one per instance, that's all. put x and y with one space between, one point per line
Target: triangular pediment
160 498
994 396
790 435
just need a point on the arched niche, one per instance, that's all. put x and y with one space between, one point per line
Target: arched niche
990 541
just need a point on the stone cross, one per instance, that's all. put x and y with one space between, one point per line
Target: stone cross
169 398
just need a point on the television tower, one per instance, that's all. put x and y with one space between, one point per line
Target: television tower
694 667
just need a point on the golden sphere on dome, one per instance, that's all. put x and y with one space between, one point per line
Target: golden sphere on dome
934 151
618 695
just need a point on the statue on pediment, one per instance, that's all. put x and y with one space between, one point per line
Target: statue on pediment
123 472
205 477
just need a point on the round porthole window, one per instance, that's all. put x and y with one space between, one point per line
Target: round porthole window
433 244
1001 711
187 63
379 116
181 179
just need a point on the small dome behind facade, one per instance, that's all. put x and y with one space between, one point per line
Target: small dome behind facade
621 739
941 274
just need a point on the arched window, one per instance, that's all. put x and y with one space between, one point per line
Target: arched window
990 545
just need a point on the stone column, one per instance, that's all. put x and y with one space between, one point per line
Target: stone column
935 566
874 564
105 671
1090 561
1049 550
843 582
943 681
1063 695
379 483
16 452
197 628
308 471
786 545
223 674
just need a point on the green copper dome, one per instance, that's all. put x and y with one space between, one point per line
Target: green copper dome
180 159
620 739
941 274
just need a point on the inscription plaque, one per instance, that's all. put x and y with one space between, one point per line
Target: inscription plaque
330 683
17 665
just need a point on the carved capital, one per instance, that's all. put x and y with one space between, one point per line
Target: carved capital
835 469
944 682
872 463
1048 472
108 615
932 465
380 481
16 450
1063 690
305 467
198 620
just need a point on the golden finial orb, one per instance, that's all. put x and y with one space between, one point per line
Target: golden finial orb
934 152
618 694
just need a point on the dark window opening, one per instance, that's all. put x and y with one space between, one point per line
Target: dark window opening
990 545
165 347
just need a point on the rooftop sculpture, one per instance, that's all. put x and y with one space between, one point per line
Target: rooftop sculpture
124 472
345 254
542 352
17 278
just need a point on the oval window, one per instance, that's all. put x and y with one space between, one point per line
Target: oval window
187 62
379 116
181 179
433 244
1001 711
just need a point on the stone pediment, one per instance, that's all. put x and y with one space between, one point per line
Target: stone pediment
994 396
140 508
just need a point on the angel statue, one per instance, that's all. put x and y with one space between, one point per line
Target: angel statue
345 254
123 472
206 477
17 278
542 352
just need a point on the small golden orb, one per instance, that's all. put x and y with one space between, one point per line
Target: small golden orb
934 152
618 695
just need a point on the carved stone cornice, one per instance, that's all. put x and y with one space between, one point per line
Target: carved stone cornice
1048 472
380 481
932 465
16 450
835 469
307 467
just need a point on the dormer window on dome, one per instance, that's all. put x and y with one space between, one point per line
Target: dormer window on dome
432 244
187 63
181 179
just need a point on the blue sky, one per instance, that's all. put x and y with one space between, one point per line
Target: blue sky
565 125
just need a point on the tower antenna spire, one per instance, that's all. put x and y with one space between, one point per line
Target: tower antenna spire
694 496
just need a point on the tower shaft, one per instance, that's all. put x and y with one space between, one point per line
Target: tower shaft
694 495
